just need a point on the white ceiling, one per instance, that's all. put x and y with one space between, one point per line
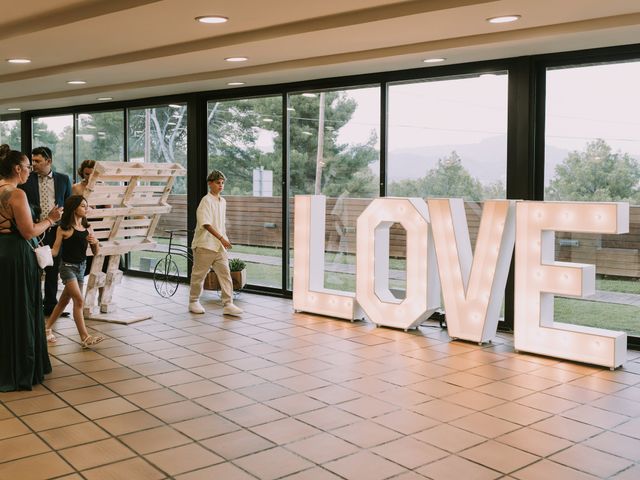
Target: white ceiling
129 49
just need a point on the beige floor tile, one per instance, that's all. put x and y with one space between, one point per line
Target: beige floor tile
179 411
22 446
547 403
177 377
237 444
106 408
214 370
614 404
69 383
95 454
272 464
183 459
616 444
531 382
545 469
128 422
367 407
519 414
12 427
409 452
449 438
252 415
264 391
465 380
154 439
53 419
405 422
566 428
133 469
366 434
486 425
73 435
302 383
595 416
442 410
364 465
41 403
38 467
591 461
285 431
573 393
86 395
505 391
333 394
295 404
219 402
205 427
535 442
113 375
474 400
322 448
224 471
5 413
200 388
316 473
455 468
557 374
632 473
328 418
499 457
133 385
597 384
154 398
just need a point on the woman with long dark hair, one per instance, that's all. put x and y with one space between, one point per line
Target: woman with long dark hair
24 359
72 238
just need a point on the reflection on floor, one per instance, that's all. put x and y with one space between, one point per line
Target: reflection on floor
281 395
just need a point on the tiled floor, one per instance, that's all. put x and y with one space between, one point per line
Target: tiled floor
282 395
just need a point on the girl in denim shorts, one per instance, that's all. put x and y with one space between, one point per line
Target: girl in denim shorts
72 238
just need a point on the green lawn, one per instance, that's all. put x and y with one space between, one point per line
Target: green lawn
598 314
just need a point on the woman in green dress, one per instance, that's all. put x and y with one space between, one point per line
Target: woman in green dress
24 359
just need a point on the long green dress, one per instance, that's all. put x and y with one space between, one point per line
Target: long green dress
24 359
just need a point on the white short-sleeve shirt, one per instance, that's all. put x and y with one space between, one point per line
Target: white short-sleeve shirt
211 211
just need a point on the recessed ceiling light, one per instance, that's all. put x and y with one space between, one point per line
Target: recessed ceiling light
18 60
174 105
212 19
76 82
504 19
235 84
487 75
434 60
267 119
104 99
13 109
236 59
309 95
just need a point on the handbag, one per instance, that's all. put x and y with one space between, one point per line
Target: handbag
44 257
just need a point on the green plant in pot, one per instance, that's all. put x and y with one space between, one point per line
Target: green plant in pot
238 273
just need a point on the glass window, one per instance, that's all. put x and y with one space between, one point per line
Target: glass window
57 134
159 134
592 153
447 139
100 136
334 150
10 133
244 142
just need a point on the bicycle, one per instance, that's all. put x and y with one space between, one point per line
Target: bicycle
166 274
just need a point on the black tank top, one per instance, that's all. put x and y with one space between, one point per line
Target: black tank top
74 248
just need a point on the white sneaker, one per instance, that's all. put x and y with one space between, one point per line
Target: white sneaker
231 309
195 307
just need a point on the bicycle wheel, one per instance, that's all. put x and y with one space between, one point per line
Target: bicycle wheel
165 277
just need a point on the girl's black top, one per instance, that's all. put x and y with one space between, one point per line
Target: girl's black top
74 248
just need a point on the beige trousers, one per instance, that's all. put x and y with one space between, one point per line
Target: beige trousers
203 260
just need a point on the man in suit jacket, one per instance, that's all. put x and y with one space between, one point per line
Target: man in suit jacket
46 189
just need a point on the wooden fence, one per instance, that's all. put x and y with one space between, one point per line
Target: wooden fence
257 221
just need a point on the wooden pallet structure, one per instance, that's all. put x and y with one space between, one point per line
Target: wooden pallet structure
127 200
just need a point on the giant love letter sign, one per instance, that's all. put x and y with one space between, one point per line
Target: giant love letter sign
472 285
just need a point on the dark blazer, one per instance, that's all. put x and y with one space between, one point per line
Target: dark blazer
61 186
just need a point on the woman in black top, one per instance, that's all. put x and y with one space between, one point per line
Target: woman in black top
72 237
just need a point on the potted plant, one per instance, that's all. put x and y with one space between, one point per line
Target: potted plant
238 270
238 273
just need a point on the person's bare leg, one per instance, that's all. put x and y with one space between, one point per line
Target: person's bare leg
59 308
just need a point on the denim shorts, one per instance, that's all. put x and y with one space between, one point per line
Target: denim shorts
72 271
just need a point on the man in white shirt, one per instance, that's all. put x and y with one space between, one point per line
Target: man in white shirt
210 245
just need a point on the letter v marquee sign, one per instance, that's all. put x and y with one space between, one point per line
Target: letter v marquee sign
438 245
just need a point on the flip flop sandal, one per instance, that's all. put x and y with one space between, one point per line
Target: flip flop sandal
51 338
89 341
